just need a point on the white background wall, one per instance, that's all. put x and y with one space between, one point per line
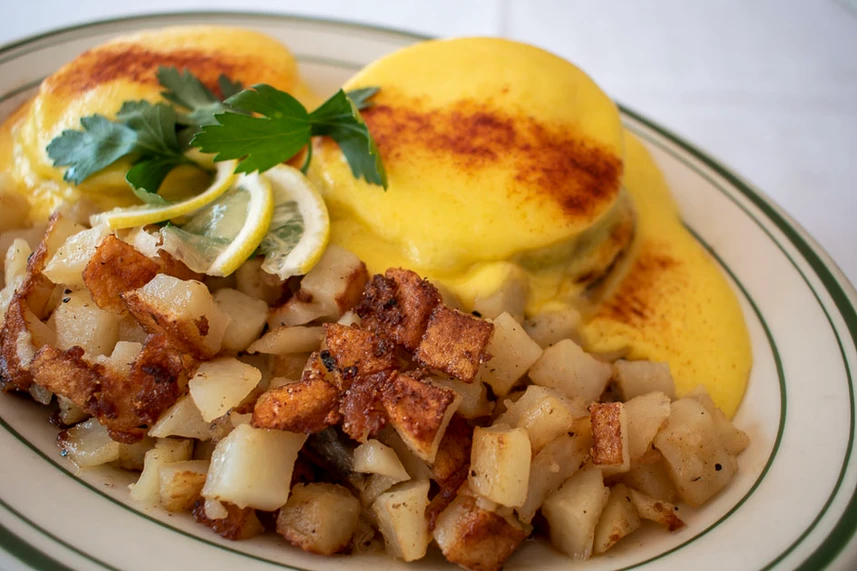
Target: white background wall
767 86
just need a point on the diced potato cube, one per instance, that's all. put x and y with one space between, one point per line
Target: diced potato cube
70 413
416 467
181 484
121 360
87 444
133 456
319 518
79 322
183 310
454 343
512 353
15 261
246 318
567 368
373 486
373 457
398 306
256 283
542 412
697 461
474 396
610 448
553 325
657 511
147 489
734 439
646 415
556 462
500 464
573 512
651 479
284 340
182 419
333 286
309 406
67 264
253 467
510 297
636 378
401 518
619 519
477 538
115 268
233 523
222 384
419 412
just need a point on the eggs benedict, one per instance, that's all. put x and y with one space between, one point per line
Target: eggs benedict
100 80
508 168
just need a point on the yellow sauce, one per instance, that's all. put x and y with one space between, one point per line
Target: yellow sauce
669 301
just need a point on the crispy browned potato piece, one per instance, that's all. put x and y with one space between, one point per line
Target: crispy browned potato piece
125 405
116 267
15 372
398 306
363 414
67 374
30 302
174 267
240 523
454 342
419 412
307 406
184 335
356 352
453 454
608 441
475 538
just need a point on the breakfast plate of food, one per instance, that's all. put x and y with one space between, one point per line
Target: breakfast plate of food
303 294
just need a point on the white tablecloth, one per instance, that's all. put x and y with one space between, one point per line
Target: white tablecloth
767 86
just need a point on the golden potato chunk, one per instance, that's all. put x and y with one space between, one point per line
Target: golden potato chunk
363 413
238 523
307 406
454 342
419 412
319 518
619 519
355 352
181 484
116 268
610 449
476 538
398 305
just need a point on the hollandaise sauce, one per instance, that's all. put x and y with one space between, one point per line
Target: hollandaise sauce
668 301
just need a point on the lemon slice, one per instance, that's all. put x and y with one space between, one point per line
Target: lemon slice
300 228
150 214
221 236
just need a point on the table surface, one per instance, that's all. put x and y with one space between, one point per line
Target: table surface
769 87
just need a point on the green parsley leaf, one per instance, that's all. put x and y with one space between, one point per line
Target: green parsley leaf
155 126
186 90
260 142
285 128
228 88
101 143
362 97
339 119
147 175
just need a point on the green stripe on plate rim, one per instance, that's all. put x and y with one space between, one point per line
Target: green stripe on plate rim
844 529
15 545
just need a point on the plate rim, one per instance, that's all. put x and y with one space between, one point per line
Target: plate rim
835 283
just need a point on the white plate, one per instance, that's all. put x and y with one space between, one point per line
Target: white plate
792 506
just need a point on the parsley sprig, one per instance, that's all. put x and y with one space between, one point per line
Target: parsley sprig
262 126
